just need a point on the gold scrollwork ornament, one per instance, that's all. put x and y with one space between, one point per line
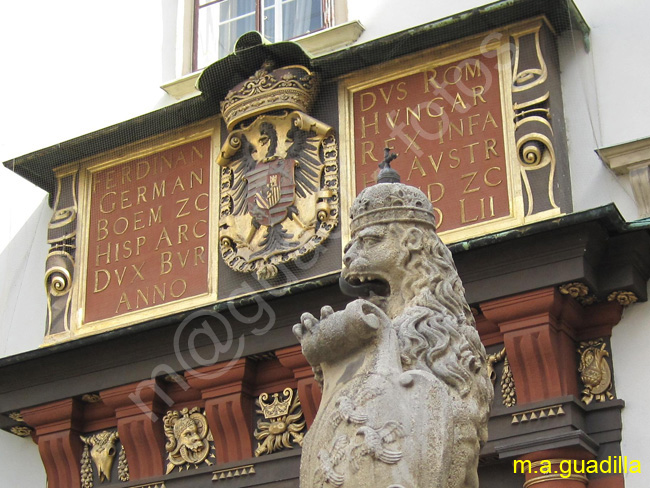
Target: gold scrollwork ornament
285 423
188 439
17 416
594 371
21 431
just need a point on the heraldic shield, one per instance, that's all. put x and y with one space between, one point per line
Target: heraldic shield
271 191
279 191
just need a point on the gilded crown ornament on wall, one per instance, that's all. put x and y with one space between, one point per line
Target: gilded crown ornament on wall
278 407
279 178
288 88
283 423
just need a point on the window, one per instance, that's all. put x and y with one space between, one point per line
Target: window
219 23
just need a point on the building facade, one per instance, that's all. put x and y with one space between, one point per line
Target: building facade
174 271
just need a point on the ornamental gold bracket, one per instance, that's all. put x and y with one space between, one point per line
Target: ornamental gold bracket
579 292
285 424
60 262
594 371
101 449
508 391
534 135
189 440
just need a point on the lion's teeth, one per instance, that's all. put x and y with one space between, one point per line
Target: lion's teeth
362 279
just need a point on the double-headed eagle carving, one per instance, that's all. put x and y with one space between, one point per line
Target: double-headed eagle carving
279 183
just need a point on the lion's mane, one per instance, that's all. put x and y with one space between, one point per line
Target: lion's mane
436 330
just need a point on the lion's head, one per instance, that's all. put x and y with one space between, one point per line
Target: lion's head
396 260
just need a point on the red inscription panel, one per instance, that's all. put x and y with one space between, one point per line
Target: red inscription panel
445 124
148 240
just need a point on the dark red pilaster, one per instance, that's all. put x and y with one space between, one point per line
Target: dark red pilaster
308 389
227 392
139 411
57 434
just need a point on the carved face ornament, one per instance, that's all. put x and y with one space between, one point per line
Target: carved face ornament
188 438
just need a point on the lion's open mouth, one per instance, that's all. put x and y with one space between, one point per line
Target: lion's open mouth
363 286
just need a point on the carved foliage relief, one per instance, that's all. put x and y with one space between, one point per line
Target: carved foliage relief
594 371
508 391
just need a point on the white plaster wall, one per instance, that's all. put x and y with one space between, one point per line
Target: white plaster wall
605 97
75 66
22 324
630 346
18 200
20 463
68 68
383 17
592 183
22 292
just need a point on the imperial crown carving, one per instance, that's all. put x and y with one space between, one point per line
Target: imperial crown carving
288 88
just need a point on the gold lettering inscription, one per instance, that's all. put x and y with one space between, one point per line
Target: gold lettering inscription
432 188
365 125
486 179
368 148
416 165
130 207
471 176
368 100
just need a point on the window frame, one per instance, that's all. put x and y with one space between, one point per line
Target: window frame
327 9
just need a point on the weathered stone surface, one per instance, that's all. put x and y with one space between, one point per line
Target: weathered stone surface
406 394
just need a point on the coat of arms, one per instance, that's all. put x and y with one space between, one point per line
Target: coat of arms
279 179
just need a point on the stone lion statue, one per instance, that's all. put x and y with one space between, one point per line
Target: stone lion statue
406 393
